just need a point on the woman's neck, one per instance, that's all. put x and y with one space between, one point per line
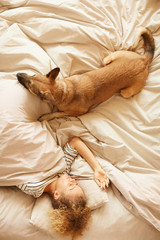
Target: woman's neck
50 188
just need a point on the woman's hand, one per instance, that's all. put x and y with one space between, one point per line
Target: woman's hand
101 179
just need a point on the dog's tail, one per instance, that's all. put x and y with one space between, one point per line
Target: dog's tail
149 45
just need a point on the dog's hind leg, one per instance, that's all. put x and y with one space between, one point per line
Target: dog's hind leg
136 87
132 90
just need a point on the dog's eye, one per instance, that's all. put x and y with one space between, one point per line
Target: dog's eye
29 82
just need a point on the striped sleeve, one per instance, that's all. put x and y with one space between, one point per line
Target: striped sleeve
69 155
36 189
33 189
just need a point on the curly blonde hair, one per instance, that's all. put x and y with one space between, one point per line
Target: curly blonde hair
69 217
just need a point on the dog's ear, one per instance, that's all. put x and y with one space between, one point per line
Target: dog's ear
47 95
53 73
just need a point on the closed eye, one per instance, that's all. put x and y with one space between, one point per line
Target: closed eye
73 186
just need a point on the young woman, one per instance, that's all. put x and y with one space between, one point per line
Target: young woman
70 214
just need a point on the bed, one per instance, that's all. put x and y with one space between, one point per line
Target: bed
124 135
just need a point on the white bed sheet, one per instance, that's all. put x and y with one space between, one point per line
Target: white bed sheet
38 35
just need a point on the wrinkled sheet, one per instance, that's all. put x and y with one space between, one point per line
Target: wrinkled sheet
38 35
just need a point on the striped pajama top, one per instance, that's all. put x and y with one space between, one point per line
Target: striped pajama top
37 188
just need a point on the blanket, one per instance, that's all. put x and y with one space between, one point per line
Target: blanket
37 36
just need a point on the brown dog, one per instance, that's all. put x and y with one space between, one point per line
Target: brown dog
124 71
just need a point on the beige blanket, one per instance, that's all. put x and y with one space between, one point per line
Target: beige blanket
36 36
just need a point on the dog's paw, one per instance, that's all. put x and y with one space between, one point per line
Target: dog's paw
126 93
107 60
42 118
51 116
47 117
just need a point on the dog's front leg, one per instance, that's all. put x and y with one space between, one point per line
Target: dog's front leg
50 116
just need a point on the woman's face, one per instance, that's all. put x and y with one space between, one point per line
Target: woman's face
68 188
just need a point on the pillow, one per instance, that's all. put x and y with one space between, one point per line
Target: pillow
96 197
39 217
29 150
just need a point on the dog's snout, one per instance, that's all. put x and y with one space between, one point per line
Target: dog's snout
19 75
22 79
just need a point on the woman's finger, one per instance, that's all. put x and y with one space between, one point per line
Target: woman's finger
107 182
98 182
103 184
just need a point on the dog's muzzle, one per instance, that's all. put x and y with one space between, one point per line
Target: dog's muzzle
22 78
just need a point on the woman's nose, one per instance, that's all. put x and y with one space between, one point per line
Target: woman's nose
72 181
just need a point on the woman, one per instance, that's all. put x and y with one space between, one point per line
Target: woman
70 214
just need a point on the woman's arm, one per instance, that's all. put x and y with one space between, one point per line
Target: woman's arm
99 174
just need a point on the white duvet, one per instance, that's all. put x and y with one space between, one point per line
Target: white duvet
38 35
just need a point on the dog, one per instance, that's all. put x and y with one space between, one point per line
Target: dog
123 71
